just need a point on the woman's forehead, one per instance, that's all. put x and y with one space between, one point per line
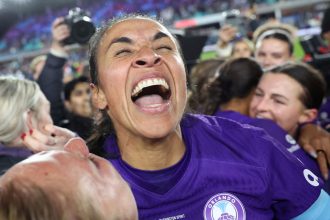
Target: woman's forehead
134 21
274 42
283 81
143 26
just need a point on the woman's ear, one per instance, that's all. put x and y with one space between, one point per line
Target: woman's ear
28 119
98 97
308 115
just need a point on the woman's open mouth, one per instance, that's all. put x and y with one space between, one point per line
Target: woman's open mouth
151 93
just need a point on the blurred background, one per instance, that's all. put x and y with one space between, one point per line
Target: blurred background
25 27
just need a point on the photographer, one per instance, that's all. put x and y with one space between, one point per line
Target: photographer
51 77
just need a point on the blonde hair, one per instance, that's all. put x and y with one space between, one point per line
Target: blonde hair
247 42
274 26
17 97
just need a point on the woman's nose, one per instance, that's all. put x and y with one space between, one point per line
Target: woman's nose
147 58
262 105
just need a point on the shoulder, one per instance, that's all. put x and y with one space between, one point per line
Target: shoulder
223 134
224 125
252 144
266 124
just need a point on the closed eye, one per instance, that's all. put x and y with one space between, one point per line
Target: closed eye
279 102
260 54
122 52
258 94
164 47
277 56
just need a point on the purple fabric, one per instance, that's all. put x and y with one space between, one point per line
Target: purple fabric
232 169
14 151
279 134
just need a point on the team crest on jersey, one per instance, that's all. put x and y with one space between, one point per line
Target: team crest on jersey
224 206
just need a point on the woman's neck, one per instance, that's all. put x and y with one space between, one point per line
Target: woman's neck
237 105
240 105
152 154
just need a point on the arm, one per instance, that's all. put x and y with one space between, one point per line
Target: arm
226 34
290 181
302 153
50 80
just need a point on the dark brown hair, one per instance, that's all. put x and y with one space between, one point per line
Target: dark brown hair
310 79
235 78
199 80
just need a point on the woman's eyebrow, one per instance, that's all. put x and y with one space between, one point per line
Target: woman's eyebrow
128 40
160 35
120 40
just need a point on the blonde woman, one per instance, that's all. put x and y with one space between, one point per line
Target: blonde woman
24 111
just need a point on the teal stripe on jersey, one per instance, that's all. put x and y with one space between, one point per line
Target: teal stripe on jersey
320 210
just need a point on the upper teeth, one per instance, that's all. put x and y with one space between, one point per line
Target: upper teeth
149 82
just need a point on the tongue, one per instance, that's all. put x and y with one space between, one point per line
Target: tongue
149 100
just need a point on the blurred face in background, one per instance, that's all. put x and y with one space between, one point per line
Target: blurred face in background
242 49
326 37
272 52
277 98
80 100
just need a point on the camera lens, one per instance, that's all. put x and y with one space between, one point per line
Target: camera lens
81 25
82 30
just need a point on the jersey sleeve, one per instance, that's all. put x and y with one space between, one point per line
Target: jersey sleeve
292 186
289 143
318 210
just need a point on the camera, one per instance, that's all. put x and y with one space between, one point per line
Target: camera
81 26
235 19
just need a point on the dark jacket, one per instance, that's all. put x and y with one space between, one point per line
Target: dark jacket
81 125
9 156
51 84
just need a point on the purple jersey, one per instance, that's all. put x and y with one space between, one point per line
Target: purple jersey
229 171
279 134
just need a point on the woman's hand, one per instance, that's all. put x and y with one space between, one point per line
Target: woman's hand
226 34
56 137
316 141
